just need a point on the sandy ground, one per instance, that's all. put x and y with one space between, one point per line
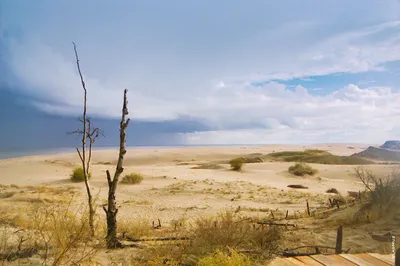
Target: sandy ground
170 183
172 191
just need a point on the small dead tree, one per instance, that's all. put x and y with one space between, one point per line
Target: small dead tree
90 133
382 190
112 210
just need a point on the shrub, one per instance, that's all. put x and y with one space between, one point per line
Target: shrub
133 178
78 175
301 169
237 164
223 259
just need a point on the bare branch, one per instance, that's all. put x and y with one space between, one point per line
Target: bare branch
79 70
109 178
79 153
83 155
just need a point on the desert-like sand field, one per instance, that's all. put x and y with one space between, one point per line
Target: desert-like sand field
173 192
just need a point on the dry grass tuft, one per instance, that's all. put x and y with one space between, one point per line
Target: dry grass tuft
51 235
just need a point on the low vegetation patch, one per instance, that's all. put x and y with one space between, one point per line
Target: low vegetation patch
332 190
211 166
133 178
105 163
237 164
217 240
298 186
317 156
302 169
78 175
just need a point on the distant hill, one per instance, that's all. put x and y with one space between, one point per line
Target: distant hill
391 145
380 154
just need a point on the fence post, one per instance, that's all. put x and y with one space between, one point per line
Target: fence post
339 239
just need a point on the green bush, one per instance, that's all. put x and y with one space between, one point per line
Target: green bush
78 175
237 164
301 169
133 178
222 259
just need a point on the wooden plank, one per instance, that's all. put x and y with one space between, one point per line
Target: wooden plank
356 260
386 258
308 261
340 260
282 262
295 261
372 259
331 260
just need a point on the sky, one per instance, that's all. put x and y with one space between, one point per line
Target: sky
201 72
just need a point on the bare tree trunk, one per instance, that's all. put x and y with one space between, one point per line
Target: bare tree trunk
112 210
82 155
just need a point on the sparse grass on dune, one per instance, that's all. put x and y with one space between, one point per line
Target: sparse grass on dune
217 239
132 179
318 157
231 258
46 233
210 166
302 169
78 175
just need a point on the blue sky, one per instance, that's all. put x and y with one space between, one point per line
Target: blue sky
203 72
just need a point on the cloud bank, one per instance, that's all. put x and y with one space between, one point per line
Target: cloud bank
226 70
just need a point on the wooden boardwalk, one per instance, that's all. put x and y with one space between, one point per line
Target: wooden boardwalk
364 259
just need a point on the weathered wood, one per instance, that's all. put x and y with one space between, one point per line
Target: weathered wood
371 259
385 258
112 210
20 254
295 261
331 260
293 253
356 260
282 262
308 261
134 239
339 240
277 224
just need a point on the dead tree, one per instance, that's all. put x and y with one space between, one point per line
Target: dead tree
111 210
87 133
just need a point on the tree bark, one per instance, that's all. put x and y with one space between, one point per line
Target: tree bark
112 210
